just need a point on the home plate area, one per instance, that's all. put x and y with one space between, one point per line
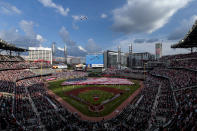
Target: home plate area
98 81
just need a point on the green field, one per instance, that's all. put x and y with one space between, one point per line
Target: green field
88 96
59 90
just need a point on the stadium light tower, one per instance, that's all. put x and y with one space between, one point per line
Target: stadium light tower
130 54
65 54
119 57
53 48
130 49
53 51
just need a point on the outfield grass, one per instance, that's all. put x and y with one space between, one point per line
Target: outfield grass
59 90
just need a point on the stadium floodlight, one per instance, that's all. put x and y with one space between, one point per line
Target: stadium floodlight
53 48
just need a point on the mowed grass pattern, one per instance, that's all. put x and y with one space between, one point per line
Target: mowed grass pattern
88 96
59 90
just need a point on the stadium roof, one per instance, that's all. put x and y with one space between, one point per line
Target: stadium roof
7 46
190 39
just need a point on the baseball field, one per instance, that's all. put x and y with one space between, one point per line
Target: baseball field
103 98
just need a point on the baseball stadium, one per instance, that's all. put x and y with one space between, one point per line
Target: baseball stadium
106 90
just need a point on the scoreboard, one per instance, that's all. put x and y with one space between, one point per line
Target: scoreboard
95 60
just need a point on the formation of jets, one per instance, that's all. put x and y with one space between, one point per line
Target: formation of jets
83 17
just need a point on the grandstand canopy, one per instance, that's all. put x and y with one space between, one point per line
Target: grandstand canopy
190 39
7 46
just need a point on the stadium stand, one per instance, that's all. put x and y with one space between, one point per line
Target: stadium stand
32 108
16 62
8 46
124 73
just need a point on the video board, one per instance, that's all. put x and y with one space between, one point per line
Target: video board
95 60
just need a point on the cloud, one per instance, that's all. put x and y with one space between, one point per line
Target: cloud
7 34
103 16
76 27
40 38
77 50
92 47
8 9
145 40
124 43
77 18
19 40
27 27
181 31
29 39
81 48
145 16
152 40
139 41
59 48
178 33
64 34
59 8
72 47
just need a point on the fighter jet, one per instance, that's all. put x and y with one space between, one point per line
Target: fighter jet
83 17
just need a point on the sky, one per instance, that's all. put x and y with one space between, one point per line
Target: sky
90 26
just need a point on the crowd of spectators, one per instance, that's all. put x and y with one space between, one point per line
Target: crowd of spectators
119 71
179 56
180 78
23 65
17 62
11 99
187 63
168 100
141 113
25 104
179 104
7 121
124 73
10 58
186 114
68 75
